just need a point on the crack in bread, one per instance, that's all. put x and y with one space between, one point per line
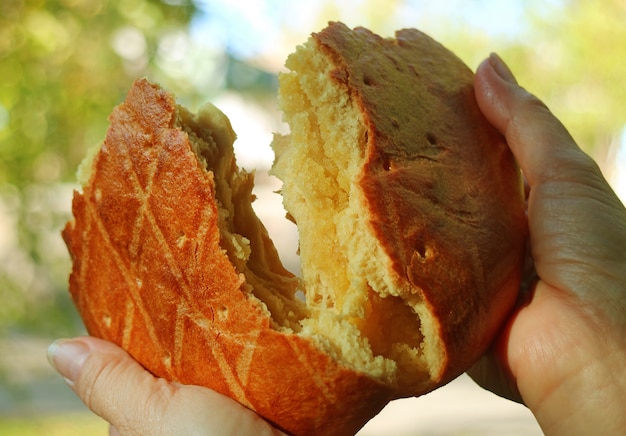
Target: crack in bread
410 212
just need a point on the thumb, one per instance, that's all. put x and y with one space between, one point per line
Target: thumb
114 386
576 221
110 382
542 146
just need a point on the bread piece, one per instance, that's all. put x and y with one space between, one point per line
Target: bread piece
410 213
420 197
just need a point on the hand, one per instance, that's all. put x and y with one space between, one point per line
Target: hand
134 402
563 350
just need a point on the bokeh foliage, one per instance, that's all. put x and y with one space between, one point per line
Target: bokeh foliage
570 53
576 62
60 77
59 72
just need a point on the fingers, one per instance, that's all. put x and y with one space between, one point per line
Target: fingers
543 147
111 383
548 351
577 223
134 402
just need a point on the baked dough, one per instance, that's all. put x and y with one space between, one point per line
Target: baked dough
410 212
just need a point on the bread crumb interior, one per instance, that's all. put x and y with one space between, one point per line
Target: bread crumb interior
354 301
352 309
243 236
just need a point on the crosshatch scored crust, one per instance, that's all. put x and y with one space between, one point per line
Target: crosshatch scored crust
411 253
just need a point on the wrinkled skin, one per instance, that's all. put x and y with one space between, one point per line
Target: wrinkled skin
563 351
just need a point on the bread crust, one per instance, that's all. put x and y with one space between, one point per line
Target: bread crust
149 275
443 197
443 192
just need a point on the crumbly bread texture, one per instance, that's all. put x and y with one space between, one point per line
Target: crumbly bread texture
410 213
392 172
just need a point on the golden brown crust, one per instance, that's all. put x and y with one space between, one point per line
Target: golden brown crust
149 274
444 195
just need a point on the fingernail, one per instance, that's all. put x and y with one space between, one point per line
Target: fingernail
501 68
67 357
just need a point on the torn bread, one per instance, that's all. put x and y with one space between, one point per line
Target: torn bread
410 212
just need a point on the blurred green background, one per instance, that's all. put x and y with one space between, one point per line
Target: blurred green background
64 64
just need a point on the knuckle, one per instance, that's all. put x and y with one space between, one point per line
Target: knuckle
93 381
103 386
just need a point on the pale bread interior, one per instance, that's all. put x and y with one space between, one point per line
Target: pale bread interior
345 273
247 244
344 267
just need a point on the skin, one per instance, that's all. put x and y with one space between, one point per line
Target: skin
113 385
562 351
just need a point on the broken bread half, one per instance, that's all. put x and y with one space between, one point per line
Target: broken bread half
410 213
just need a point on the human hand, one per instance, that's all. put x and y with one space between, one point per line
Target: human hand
113 385
563 350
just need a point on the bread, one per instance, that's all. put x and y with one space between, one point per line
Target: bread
410 212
